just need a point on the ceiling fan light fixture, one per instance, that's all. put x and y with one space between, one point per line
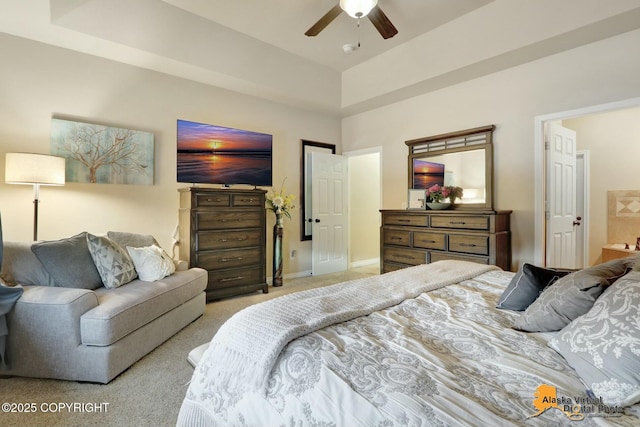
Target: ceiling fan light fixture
358 8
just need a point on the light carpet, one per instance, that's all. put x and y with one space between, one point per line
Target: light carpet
151 391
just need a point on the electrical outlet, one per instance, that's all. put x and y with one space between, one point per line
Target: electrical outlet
294 253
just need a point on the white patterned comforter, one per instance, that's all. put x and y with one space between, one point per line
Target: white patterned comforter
445 358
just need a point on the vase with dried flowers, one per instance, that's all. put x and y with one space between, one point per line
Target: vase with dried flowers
281 204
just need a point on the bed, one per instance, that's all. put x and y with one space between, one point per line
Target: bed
422 346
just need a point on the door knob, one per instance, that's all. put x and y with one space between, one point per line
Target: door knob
577 221
317 220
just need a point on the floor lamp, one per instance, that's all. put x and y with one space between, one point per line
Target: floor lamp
37 170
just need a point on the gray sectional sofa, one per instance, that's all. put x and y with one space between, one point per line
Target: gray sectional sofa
90 333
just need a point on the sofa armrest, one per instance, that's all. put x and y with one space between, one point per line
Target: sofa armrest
44 325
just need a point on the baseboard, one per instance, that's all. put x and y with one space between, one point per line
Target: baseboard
364 262
297 275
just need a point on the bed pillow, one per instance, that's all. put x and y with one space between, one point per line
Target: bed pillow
152 262
134 240
527 285
114 264
571 296
69 262
603 346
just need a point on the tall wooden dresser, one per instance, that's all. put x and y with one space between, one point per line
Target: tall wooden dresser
412 237
224 232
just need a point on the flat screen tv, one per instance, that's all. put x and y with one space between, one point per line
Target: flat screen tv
209 154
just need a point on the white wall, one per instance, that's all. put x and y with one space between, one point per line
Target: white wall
599 73
613 141
38 82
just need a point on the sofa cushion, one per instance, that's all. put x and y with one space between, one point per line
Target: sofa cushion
127 308
69 262
135 240
151 262
22 267
113 263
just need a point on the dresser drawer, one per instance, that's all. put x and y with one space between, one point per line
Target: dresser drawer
234 277
400 219
440 256
405 256
226 220
465 222
212 200
246 200
208 240
397 237
429 240
228 259
478 245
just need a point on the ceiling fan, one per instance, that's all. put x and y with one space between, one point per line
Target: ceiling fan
357 9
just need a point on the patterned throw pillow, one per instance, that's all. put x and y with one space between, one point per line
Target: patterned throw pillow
152 262
603 346
570 297
113 263
527 285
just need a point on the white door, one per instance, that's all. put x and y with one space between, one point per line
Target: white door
561 196
329 213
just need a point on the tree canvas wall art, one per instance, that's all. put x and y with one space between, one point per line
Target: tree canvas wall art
103 154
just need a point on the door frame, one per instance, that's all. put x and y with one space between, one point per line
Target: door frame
540 170
583 164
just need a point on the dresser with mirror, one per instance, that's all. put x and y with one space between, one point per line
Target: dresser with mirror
469 229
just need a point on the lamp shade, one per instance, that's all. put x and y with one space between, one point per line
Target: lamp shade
29 168
358 8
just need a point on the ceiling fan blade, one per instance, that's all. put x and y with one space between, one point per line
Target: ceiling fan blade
324 21
382 23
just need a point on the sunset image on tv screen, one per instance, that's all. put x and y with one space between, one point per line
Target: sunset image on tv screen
221 155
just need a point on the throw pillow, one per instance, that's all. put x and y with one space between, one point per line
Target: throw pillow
603 346
22 267
69 262
113 263
527 285
152 262
571 296
134 240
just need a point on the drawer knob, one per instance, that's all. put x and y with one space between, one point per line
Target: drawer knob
457 222
238 258
470 245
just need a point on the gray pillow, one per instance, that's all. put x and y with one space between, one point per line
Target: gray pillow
603 346
114 264
22 267
527 285
134 240
571 296
69 262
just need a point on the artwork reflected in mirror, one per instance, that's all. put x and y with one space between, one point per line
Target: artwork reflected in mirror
427 173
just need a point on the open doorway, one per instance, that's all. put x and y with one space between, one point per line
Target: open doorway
598 222
365 201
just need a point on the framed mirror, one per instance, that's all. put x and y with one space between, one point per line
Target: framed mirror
463 159
305 184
